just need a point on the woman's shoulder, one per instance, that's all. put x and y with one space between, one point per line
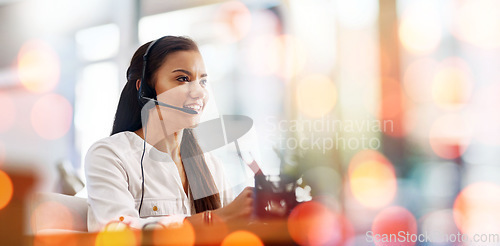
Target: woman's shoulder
119 142
114 150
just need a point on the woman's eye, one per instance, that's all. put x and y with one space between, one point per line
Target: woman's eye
203 82
183 79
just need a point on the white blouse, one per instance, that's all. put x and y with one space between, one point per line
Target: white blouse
113 172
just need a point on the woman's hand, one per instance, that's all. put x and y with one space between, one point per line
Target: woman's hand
240 209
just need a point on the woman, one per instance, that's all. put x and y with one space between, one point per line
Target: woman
151 169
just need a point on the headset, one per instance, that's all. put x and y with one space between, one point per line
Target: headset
143 100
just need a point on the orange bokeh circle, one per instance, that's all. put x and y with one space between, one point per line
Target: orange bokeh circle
6 189
243 238
38 66
51 116
388 224
177 234
117 233
476 209
312 223
372 179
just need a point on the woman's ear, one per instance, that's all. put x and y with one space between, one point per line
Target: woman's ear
138 84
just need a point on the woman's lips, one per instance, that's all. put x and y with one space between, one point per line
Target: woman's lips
194 106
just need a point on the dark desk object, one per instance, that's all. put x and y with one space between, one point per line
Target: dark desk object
12 216
274 196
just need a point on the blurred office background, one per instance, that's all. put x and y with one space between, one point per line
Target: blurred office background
387 109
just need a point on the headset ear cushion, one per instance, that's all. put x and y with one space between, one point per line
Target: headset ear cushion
145 93
140 98
149 92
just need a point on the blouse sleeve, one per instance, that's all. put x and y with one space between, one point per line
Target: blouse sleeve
108 196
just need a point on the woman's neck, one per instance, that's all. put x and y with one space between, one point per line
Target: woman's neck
171 144
164 135
168 143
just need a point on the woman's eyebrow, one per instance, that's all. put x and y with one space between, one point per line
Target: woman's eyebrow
187 72
183 71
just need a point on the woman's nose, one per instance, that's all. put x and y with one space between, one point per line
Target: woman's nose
196 90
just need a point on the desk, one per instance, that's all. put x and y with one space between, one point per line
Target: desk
270 232
273 232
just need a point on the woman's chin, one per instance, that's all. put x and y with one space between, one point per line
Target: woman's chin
193 122
192 126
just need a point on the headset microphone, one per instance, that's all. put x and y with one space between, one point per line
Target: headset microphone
185 110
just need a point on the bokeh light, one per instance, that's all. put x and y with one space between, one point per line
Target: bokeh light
6 189
364 156
176 234
51 116
452 84
38 66
438 224
316 95
244 238
123 236
237 20
450 135
390 221
478 22
476 209
372 179
312 223
420 27
52 215
7 111
418 78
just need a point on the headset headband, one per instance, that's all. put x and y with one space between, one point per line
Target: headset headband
144 65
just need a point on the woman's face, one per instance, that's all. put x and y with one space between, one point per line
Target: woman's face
181 82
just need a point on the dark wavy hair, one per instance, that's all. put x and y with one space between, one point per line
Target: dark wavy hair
128 117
